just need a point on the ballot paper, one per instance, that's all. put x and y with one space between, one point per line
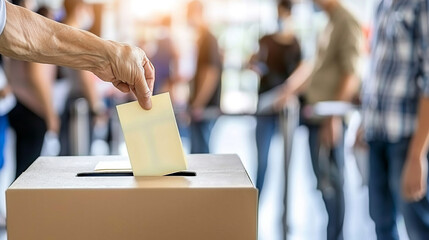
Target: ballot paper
152 138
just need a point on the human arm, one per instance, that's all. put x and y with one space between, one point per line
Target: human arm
209 81
87 79
347 45
30 37
415 173
97 10
294 85
208 76
42 85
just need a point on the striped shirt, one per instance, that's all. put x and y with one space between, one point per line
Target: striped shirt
399 74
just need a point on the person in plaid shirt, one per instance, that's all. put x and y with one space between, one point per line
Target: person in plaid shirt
395 101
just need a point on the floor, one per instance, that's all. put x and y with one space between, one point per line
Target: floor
307 217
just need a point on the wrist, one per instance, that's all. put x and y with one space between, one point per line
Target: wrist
53 125
417 151
105 51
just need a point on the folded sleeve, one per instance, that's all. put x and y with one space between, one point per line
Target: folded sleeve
2 15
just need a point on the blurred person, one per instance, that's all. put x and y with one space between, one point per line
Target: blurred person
164 58
29 37
278 57
395 101
332 78
34 116
206 85
79 15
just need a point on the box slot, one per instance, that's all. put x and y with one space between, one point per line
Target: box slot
130 174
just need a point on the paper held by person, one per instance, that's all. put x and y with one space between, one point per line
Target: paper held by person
152 137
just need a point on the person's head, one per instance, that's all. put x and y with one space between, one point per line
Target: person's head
284 9
195 13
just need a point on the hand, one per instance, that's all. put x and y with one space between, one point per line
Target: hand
128 68
282 98
331 131
414 177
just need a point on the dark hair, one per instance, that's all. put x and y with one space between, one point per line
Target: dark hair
287 4
17 2
44 11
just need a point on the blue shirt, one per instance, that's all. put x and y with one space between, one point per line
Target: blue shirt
399 74
2 15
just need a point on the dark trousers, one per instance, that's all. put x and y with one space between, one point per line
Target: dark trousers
328 166
385 201
200 135
266 127
30 131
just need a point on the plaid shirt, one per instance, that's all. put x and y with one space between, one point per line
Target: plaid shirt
399 74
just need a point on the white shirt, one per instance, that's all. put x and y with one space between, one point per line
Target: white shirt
2 15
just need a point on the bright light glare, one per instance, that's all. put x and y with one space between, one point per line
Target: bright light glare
144 9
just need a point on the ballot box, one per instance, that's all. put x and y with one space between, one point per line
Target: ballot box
49 201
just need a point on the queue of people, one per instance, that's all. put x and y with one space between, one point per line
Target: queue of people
394 96
394 103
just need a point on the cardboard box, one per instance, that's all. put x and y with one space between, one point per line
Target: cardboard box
49 202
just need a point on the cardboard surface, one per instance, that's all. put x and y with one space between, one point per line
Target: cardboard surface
48 201
152 138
